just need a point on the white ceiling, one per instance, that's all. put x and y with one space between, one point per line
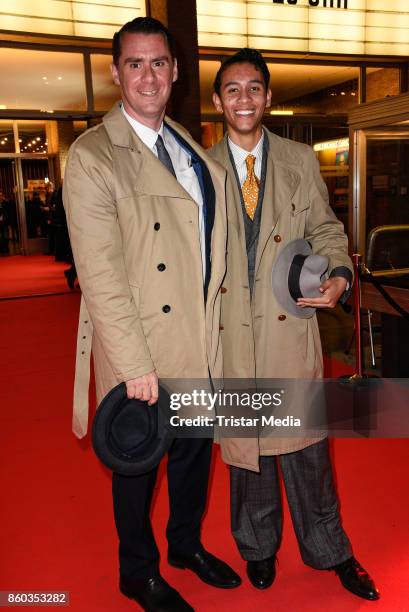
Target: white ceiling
52 80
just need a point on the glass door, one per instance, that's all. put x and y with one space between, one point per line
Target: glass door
383 182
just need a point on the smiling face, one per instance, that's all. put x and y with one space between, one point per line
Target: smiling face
145 73
243 99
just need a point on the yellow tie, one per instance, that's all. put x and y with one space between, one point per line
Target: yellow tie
250 188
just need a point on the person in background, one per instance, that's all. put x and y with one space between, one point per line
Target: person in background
4 238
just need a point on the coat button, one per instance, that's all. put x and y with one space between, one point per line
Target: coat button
161 267
156 227
282 317
293 206
277 238
166 308
221 327
223 290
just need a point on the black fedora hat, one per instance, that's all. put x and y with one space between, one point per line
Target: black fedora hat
297 273
129 436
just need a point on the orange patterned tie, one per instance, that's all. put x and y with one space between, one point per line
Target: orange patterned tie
250 187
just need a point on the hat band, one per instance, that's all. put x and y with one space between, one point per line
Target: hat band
294 276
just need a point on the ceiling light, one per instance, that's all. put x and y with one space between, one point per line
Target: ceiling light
281 112
38 138
2 142
353 93
29 144
3 106
59 78
20 140
342 93
44 78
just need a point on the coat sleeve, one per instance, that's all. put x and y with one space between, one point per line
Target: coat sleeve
323 230
97 247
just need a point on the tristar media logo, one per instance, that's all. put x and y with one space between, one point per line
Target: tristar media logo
341 4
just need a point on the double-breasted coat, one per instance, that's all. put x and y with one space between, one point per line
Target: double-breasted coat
127 215
260 339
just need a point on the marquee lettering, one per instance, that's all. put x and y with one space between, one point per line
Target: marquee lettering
323 3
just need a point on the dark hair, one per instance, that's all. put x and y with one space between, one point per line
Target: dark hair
244 56
141 25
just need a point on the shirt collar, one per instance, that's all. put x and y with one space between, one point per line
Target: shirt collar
145 133
239 154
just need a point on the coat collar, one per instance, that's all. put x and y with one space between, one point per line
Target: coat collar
282 181
121 134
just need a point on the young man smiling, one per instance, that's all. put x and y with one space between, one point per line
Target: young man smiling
275 195
146 213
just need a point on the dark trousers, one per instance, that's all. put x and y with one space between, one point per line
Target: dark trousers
256 512
188 475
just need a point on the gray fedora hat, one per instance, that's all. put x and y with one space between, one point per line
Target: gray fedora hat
297 272
128 436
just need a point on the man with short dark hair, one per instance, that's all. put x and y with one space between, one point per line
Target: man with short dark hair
276 195
146 213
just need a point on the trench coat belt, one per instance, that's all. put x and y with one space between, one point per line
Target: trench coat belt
82 372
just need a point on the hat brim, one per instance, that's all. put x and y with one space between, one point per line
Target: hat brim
279 277
152 453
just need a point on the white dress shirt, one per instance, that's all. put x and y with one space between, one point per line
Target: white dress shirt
239 156
182 164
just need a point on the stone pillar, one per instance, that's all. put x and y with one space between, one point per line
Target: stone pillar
180 18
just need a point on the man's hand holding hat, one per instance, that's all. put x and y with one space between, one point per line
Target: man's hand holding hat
145 388
331 290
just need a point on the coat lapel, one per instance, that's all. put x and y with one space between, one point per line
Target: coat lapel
236 200
219 232
282 182
121 134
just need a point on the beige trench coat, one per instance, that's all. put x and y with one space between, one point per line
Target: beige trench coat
126 214
259 338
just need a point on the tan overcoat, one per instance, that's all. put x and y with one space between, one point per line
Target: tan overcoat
259 338
126 215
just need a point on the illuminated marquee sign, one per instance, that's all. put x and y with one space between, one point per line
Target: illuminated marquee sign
353 27
88 18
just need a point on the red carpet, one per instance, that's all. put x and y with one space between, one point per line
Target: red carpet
57 526
33 275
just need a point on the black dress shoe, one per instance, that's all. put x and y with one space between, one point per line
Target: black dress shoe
355 579
154 594
208 568
262 573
